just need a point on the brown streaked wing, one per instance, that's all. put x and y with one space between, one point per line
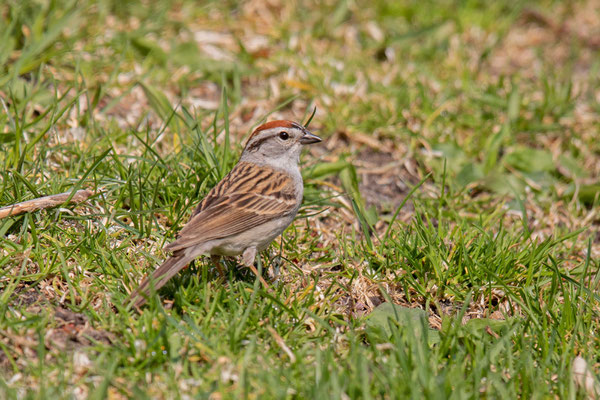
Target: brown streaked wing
215 194
242 201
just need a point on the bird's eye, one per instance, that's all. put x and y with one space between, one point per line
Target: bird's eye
284 135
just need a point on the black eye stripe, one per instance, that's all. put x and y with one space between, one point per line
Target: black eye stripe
255 144
284 135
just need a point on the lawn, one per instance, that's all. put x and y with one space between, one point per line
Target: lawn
448 245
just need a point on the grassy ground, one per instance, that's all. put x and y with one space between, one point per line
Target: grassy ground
449 242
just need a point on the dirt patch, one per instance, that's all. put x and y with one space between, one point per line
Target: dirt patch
26 299
552 36
67 331
384 180
74 331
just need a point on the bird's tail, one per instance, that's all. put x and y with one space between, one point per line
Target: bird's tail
158 278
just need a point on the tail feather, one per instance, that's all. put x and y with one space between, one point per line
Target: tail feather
158 278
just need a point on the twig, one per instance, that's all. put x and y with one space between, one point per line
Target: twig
43 203
530 14
560 29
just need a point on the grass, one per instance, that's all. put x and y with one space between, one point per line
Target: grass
447 246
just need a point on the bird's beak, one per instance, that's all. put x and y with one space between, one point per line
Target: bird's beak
309 138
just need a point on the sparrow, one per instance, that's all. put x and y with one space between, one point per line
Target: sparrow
246 210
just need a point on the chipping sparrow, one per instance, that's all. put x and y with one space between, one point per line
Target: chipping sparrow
249 208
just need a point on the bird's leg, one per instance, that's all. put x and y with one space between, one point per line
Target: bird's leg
216 260
248 260
276 262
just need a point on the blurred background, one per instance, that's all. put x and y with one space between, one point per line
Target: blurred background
506 92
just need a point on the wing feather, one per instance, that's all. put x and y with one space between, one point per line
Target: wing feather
247 197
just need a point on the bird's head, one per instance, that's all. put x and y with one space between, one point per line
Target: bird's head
278 142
